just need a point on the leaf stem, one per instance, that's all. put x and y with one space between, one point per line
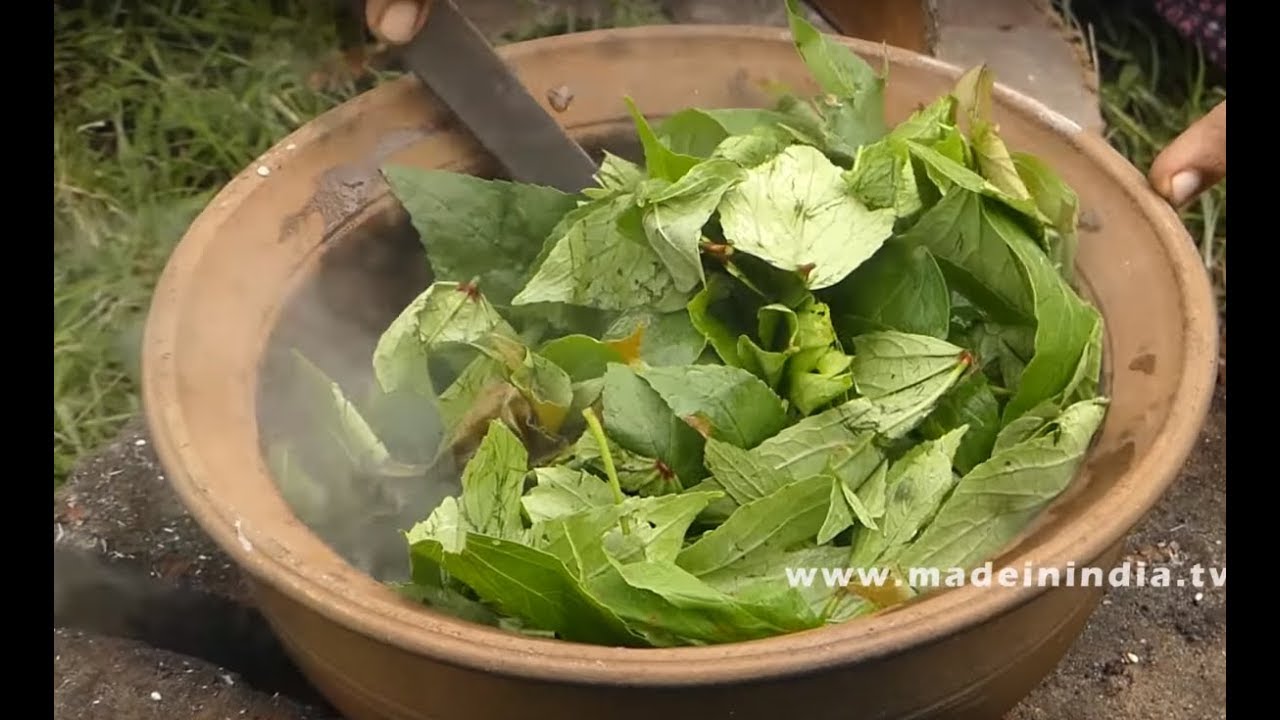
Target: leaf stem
610 471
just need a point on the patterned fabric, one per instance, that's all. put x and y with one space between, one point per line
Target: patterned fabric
1203 22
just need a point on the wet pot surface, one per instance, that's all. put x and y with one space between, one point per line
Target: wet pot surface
316 255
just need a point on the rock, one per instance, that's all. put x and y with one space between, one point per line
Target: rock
101 678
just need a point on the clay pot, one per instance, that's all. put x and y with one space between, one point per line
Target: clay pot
318 223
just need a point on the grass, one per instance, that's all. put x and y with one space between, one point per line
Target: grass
156 105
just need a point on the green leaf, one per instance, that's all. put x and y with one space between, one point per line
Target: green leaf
852 466
883 177
996 164
764 574
666 339
844 75
827 442
671 607
531 585
764 364
900 288
448 600
905 375
548 389
488 231
617 175
1025 426
742 473
717 511
993 503
973 92
659 159
593 264
816 377
577 540
580 356
561 492
447 526
813 326
492 484
445 314
1002 350
644 476
1066 327
947 172
408 427
872 492
639 419
735 405
1084 383
755 147
915 488
928 124
781 520
794 212
1058 203
699 133
766 283
589 541
720 313
971 404
673 218
657 526
331 415
977 262
778 327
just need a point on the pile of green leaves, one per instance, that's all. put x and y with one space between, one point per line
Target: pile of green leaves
794 338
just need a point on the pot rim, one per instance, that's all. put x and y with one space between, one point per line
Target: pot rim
942 613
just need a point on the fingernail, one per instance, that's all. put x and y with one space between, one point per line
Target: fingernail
398 21
1184 185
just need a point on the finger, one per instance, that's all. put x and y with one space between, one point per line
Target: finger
1195 161
396 21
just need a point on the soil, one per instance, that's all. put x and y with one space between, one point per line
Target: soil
99 678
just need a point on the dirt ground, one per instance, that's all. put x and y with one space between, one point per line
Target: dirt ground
1147 654
99 678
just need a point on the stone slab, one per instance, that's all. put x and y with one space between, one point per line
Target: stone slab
1027 47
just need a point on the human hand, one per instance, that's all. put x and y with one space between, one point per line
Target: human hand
396 21
1195 161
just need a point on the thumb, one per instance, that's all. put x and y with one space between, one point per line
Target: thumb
396 21
1195 161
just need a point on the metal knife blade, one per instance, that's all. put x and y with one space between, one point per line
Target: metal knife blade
455 60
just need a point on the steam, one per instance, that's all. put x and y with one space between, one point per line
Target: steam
312 435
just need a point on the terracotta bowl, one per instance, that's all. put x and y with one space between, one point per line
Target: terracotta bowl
312 219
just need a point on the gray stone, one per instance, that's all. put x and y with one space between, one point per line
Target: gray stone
1027 48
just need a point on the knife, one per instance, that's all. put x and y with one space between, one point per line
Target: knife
452 58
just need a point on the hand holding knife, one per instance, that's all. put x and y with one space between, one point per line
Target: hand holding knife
454 60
